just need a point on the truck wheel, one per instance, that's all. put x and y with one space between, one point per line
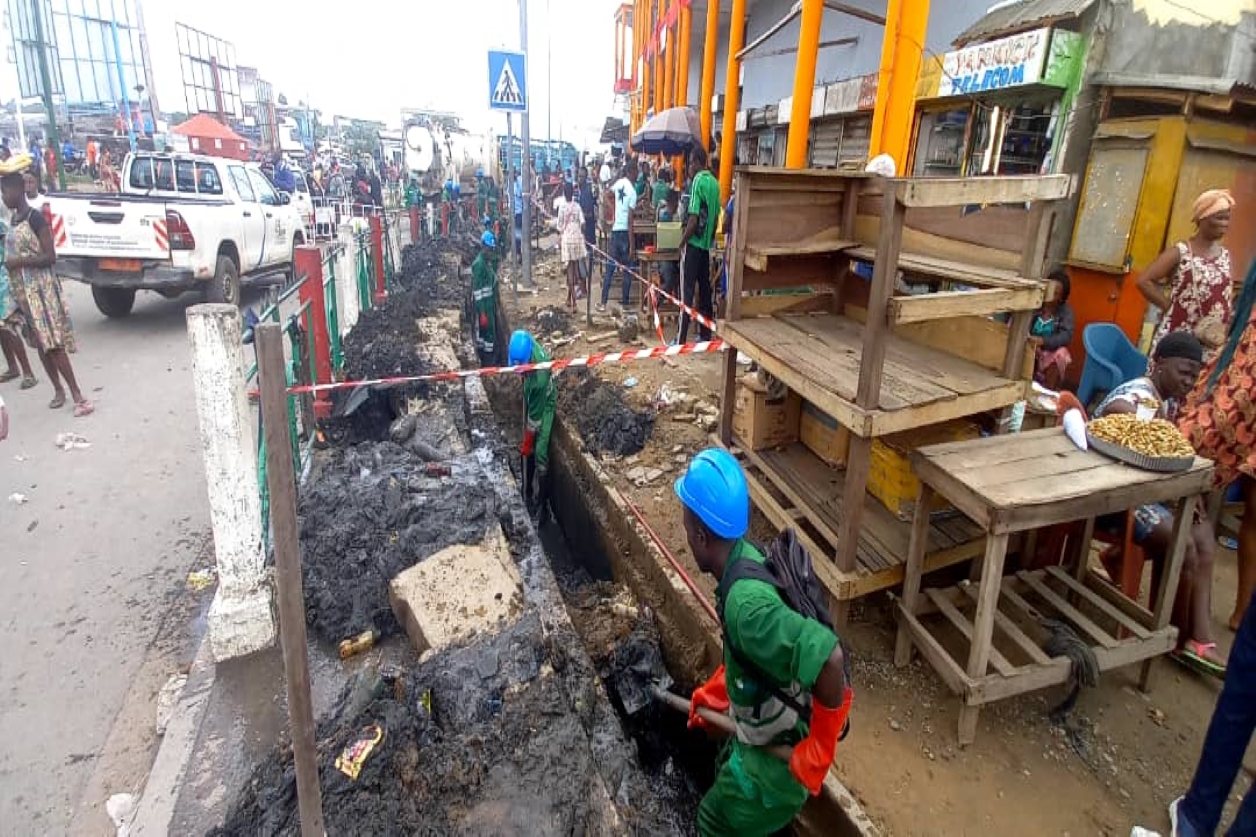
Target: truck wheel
114 302
225 287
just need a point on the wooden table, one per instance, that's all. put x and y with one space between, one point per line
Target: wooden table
1018 483
647 260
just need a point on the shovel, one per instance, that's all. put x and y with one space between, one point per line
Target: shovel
639 678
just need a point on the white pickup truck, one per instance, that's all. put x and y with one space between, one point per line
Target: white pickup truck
182 222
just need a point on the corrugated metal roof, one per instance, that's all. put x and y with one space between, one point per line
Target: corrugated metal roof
1021 16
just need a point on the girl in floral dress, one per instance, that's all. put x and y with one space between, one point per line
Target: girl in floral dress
571 230
1219 419
29 257
1198 297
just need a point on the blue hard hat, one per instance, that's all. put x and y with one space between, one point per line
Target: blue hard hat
714 488
488 240
520 346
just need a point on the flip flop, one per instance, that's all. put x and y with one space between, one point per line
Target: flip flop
29 382
83 408
1193 655
57 402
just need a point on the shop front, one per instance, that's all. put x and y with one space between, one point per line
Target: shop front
841 124
997 108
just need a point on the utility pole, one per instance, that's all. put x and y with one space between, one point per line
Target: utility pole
54 139
526 166
549 84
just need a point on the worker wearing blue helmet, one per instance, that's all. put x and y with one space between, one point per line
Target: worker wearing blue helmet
774 659
540 402
484 297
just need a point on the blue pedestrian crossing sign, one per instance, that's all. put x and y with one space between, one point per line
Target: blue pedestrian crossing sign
507 81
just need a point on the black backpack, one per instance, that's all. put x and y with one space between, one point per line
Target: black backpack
787 568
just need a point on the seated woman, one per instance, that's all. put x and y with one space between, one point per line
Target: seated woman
1176 362
1052 327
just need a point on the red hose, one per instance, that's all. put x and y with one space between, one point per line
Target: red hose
702 599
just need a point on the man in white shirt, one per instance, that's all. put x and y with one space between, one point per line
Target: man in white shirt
625 193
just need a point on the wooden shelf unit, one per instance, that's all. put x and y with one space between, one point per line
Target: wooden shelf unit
876 362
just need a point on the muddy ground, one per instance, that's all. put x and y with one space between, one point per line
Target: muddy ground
605 421
1123 757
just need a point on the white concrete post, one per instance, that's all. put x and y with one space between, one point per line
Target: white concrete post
241 619
347 279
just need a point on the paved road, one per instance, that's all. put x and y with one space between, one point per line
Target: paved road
92 601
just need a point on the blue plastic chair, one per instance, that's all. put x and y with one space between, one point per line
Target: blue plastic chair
1111 360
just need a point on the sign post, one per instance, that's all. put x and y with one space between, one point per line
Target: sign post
508 91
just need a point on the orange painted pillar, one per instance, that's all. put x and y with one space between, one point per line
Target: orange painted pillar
900 108
647 60
669 65
707 90
657 97
682 59
804 82
732 97
884 73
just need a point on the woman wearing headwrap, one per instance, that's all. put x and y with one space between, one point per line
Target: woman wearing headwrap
1219 419
1191 281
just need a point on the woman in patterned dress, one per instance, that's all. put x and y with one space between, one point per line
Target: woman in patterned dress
29 256
18 365
571 230
1198 297
1219 419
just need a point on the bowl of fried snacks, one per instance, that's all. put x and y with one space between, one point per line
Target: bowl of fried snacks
1151 444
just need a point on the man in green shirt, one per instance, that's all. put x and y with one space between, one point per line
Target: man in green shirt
484 296
540 401
754 792
662 185
703 215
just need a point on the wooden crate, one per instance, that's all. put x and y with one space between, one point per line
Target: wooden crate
762 422
890 476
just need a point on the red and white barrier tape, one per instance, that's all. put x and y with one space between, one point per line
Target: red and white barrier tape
598 359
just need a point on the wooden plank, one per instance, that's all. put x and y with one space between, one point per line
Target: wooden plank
992 449
914 570
1025 679
961 624
728 396
827 241
1162 600
933 652
1137 650
795 497
947 304
1018 331
958 191
1099 603
983 627
1018 637
1066 610
1039 233
978 340
952 251
872 359
804 271
896 421
736 255
858 464
1109 593
765 305
952 270
281 479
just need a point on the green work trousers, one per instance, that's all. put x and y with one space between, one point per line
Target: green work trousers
754 795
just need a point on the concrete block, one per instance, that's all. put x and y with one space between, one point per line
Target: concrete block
458 593
240 623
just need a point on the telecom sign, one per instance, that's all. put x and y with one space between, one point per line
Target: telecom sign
507 81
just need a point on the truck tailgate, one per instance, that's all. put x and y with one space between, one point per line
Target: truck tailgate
110 226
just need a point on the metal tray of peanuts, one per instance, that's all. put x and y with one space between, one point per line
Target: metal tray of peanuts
1123 453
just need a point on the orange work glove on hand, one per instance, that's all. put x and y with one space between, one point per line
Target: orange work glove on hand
813 755
712 694
483 320
529 442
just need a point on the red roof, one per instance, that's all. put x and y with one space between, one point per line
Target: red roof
206 127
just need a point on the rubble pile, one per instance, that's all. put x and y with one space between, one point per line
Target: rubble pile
606 423
367 513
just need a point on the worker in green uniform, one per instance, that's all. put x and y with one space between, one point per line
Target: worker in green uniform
483 194
484 297
414 196
540 401
775 659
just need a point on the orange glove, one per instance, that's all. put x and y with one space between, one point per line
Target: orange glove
483 320
529 443
712 695
813 755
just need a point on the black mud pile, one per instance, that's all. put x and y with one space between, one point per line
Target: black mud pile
367 513
551 320
606 423
497 752
427 269
385 341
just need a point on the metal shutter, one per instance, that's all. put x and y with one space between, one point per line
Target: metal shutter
826 140
856 141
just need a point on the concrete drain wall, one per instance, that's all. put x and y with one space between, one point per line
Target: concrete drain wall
596 521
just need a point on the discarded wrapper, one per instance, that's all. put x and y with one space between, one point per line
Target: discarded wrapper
357 751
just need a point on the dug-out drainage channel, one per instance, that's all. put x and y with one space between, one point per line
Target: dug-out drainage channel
606 565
